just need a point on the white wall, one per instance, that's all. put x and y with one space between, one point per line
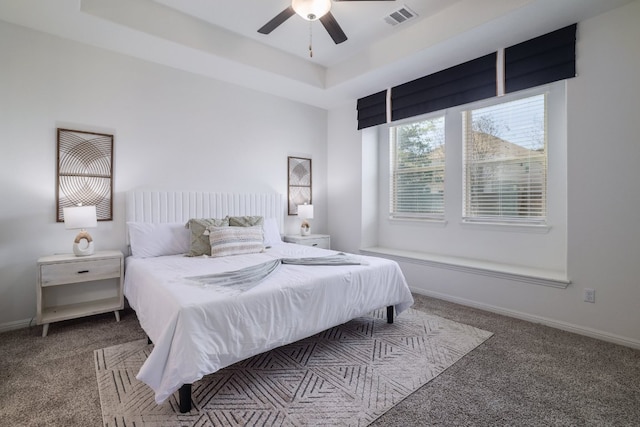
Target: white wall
604 172
344 179
173 130
603 237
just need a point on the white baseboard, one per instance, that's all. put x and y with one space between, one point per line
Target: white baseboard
569 327
18 324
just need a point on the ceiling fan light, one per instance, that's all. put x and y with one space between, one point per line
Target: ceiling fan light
311 10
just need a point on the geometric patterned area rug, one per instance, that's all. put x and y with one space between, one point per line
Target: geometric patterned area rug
348 375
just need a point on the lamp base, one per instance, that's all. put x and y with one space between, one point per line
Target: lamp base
305 228
83 250
88 250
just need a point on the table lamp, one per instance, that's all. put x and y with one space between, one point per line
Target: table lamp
81 217
305 212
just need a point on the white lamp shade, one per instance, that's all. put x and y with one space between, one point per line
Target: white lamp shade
79 217
305 211
311 9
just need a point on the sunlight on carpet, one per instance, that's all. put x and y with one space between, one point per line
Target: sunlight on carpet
348 375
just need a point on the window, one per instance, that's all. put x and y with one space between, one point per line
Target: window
505 161
497 164
417 153
505 185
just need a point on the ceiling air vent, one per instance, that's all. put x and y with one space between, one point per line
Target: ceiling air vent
399 16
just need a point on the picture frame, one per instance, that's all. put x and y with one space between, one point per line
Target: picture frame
84 172
299 181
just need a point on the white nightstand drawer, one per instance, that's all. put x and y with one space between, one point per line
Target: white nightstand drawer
318 243
79 271
316 240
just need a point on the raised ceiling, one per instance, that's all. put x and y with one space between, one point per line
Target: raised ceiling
219 38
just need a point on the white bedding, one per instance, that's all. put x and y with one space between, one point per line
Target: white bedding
197 329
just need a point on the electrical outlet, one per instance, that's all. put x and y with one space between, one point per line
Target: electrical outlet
589 295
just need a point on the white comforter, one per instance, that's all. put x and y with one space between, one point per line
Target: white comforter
200 329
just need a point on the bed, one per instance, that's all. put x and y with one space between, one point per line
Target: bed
204 313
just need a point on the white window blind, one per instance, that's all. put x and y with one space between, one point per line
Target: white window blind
417 169
505 161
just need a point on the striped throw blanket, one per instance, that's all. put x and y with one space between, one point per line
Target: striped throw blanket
246 278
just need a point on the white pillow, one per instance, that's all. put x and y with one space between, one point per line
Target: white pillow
235 240
150 240
271 232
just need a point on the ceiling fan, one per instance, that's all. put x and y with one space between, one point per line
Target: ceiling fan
311 10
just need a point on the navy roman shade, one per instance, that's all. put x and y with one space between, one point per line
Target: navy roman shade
541 60
464 83
372 110
536 62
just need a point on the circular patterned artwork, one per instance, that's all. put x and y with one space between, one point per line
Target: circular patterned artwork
85 171
299 183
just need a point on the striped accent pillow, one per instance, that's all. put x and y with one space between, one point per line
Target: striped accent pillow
235 240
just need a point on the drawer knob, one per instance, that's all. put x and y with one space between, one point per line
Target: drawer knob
315 244
83 271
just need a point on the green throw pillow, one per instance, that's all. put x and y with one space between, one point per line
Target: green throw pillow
199 241
245 221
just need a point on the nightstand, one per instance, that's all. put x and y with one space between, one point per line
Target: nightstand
81 273
317 240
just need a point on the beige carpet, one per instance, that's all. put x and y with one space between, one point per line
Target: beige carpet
348 375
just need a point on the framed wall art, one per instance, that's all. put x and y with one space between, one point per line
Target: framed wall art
84 172
299 183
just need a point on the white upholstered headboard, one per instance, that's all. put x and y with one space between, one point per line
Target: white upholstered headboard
180 206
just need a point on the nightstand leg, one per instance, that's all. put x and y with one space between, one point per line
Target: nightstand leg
45 329
117 313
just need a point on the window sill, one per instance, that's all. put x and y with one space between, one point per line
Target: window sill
495 226
533 276
426 221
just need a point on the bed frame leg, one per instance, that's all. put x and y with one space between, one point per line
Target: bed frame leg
185 398
390 314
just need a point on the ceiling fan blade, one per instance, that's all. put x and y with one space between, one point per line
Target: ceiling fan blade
332 27
277 20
